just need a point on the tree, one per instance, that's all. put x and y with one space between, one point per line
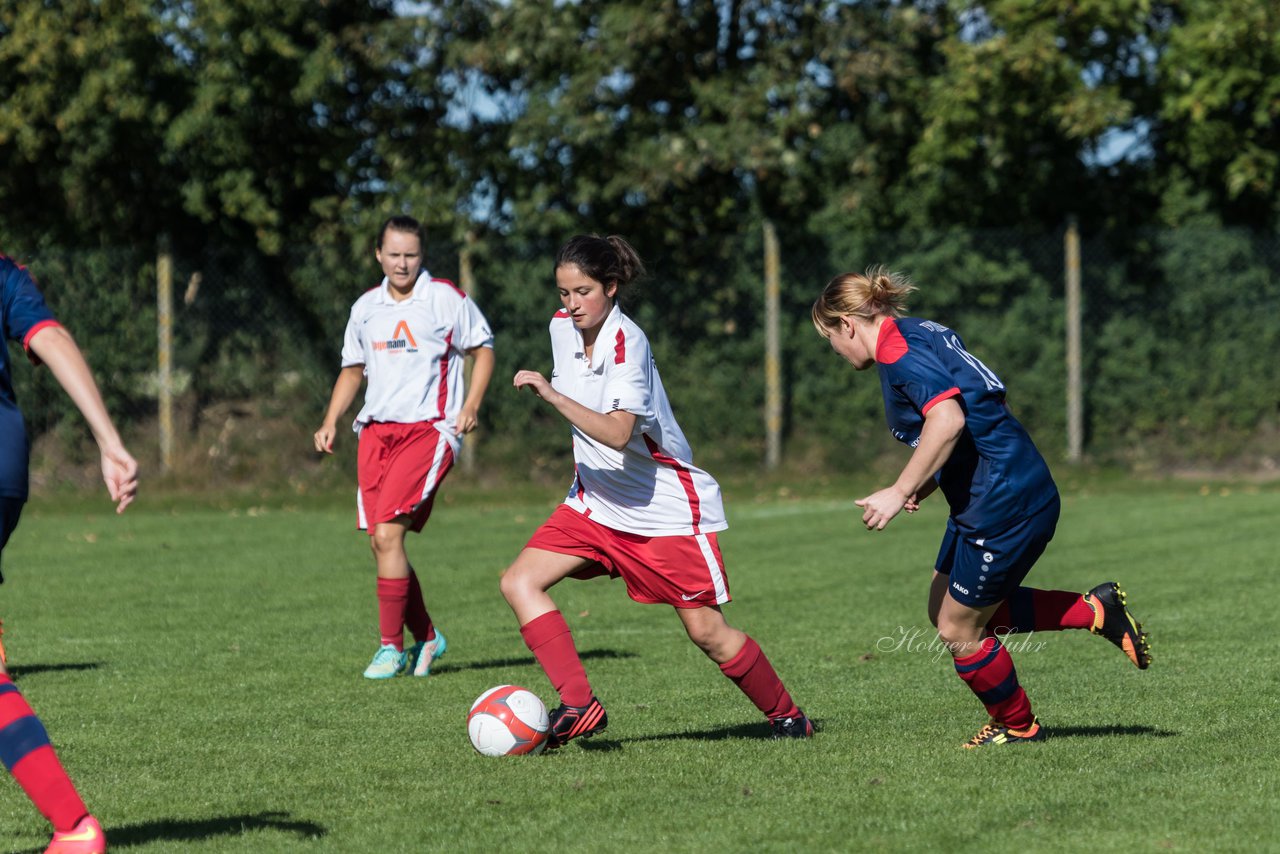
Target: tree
1219 113
1015 115
256 119
680 124
876 64
85 95
277 128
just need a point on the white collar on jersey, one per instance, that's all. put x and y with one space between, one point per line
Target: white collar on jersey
608 333
384 289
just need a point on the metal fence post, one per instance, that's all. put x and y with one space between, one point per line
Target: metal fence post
1075 401
772 349
164 348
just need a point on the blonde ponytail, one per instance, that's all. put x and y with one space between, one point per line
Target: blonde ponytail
876 293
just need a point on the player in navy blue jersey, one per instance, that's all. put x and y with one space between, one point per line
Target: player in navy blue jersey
24 744
950 408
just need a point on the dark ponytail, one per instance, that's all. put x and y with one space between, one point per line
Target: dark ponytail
608 260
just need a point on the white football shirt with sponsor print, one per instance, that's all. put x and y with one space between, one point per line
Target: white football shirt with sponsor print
413 351
651 487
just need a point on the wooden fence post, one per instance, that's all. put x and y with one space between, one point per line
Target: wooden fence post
1075 393
164 348
467 280
772 349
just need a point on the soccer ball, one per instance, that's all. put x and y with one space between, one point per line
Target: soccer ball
508 721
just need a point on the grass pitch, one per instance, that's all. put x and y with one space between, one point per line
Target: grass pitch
198 668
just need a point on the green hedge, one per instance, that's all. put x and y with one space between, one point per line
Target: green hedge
1180 334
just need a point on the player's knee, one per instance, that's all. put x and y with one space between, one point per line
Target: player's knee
702 638
715 639
384 542
956 634
513 584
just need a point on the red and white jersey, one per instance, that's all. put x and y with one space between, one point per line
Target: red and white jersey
412 352
651 487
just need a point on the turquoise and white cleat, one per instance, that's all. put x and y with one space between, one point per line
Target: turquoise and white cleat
387 662
425 653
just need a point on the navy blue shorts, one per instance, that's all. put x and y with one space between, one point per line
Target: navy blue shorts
985 570
10 511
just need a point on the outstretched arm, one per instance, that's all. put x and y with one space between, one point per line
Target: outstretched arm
54 346
942 427
481 373
608 428
345 390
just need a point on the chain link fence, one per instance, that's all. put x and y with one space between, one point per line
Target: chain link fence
1179 334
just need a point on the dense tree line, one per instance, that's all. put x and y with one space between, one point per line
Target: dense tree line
268 138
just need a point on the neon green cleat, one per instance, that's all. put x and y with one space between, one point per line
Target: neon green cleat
387 662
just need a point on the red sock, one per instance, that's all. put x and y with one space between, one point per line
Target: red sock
415 614
27 753
1029 609
751 671
393 598
990 675
549 640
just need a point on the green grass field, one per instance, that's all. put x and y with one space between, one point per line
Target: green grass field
199 670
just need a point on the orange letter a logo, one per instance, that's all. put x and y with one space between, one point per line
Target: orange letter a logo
403 326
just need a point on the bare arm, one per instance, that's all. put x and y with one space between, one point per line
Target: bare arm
942 427
608 428
345 389
56 348
481 373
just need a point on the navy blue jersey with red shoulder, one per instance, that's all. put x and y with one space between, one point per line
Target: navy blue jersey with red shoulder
995 476
22 313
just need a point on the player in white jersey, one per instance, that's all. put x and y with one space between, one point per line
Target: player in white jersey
408 337
638 508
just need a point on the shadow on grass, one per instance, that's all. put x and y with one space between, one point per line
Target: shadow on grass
759 730
525 661
194 830
17 670
1101 731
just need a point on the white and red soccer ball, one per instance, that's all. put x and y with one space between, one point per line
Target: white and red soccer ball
508 721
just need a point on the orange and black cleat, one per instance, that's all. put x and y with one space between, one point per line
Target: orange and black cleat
1112 620
998 733
570 722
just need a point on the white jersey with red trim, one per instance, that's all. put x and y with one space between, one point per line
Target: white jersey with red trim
412 352
651 487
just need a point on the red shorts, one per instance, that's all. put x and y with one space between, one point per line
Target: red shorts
399 468
683 571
